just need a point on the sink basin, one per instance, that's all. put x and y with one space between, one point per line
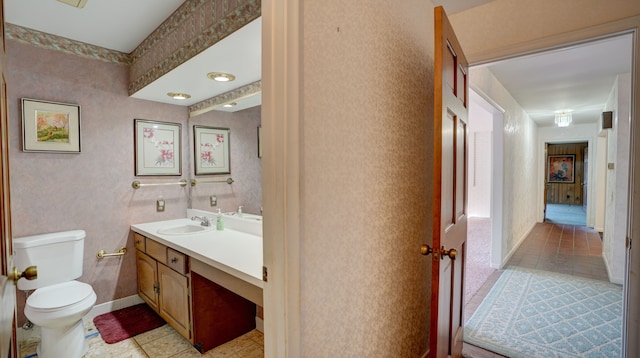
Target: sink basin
184 229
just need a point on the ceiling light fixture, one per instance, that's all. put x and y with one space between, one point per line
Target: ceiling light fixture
563 119
178 95
221 76
228 105
75 3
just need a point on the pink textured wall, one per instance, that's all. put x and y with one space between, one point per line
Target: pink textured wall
365 152
91 190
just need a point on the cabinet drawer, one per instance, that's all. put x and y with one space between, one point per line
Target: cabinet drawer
138 241
156 250
177 261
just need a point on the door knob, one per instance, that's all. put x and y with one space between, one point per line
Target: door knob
451 253
428 250
30 273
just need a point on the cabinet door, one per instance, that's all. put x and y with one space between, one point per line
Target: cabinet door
174 300
146 268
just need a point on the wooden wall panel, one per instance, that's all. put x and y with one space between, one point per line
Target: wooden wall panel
567 193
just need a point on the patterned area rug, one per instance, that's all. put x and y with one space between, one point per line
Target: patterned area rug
530 313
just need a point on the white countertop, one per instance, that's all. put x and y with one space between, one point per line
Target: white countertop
230 250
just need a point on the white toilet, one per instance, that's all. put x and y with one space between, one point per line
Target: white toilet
59 302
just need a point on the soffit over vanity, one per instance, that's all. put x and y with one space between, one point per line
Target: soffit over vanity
193 32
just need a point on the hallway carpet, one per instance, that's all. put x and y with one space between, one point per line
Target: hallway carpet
532 313
566 214
478 267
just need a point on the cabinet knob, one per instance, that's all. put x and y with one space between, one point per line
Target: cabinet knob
174 260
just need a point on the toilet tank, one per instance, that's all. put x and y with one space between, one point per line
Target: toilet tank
58 256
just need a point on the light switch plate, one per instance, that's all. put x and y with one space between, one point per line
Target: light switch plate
160 205
214 200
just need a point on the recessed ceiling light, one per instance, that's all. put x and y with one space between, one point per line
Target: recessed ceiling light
177 95
221 77
232 104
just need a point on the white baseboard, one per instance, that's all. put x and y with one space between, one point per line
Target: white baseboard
260 324
612 279
113 306
517 245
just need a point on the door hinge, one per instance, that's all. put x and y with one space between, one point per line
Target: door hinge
628 242
265 275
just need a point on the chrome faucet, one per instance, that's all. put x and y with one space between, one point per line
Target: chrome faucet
204 221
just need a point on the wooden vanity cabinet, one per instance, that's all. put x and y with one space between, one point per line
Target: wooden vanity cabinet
206 313
163 282
147 281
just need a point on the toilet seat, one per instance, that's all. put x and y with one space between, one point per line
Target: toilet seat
59 296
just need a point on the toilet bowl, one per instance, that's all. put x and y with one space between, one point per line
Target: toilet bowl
59 301
58 310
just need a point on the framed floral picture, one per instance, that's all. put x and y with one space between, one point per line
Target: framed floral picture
211 146
50 126
157 147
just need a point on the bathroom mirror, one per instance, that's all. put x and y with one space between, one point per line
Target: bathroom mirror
245 165
221 88
240 111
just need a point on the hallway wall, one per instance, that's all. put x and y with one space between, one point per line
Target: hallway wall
617 188
520 136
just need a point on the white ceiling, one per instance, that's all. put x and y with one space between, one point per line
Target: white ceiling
119 25
578 78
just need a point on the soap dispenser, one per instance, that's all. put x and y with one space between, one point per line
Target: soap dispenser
219 222
240 211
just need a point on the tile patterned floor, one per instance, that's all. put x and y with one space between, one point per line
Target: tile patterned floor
159 343
568 249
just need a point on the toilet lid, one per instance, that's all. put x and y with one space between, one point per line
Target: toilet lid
60 295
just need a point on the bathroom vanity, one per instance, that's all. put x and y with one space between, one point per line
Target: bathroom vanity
205 283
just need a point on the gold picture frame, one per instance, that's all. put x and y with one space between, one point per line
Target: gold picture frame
157 147
211 148
50 126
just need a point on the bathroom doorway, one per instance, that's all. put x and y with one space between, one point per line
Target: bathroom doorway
484 224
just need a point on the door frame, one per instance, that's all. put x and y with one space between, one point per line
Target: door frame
497 174
542 163
631 328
